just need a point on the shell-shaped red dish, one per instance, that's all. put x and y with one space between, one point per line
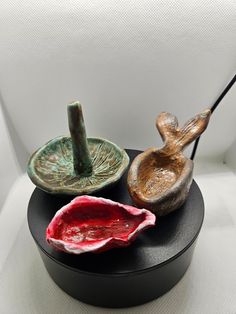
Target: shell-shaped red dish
92 224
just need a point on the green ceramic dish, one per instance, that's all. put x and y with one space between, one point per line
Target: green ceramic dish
51 167
77 165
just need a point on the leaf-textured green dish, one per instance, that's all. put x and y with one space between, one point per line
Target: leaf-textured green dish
51 167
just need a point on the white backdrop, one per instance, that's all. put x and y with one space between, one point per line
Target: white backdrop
9 169
124 60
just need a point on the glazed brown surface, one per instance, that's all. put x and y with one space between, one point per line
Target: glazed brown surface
157 174
159 179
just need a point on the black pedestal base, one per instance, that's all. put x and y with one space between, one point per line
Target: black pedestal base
122 277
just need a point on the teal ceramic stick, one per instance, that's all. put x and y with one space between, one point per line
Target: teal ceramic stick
81 157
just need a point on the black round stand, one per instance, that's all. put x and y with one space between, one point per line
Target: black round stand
121 277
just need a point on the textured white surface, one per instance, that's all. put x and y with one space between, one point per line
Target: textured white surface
9 169
125 60
230 156
208 287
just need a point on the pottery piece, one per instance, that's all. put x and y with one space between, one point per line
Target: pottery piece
91 224
159 179
77 165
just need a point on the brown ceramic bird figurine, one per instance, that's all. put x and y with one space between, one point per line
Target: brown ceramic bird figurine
160 179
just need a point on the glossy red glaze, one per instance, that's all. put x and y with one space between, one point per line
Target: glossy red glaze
91 224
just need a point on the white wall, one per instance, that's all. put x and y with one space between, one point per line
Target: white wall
125 60
9 168
230 156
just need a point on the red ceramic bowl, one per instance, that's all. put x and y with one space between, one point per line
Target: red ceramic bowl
93 224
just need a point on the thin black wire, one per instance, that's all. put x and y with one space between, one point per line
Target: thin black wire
212 108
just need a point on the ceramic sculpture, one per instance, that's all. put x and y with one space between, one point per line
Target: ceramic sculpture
91 224
159 179
77 165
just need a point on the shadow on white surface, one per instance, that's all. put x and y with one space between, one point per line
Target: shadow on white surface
20 152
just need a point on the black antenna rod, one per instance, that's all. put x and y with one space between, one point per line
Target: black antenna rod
213 107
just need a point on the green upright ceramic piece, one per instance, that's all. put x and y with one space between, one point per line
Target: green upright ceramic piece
81 157
77 165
